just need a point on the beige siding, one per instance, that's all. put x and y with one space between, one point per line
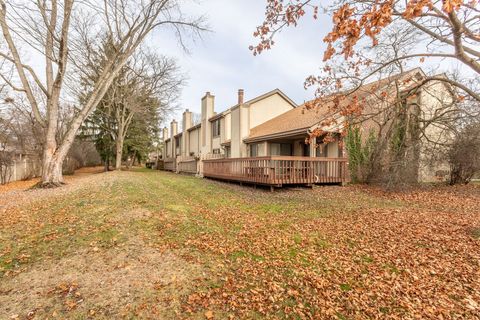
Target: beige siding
235 133
267 109
168 146
298 148
433 98
332 148
216 143
195 141
228 126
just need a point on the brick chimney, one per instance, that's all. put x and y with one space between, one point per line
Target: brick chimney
240 96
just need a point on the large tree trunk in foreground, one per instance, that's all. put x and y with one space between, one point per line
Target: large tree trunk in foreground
52 164
54 154
52 173
49 34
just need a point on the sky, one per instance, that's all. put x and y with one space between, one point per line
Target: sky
221 62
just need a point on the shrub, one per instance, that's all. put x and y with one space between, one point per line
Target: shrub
360 154
464 155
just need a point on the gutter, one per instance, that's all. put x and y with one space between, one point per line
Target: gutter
277 135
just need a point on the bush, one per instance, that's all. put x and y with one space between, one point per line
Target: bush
464 155
6 166
359 154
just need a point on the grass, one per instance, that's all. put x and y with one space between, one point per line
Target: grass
258 254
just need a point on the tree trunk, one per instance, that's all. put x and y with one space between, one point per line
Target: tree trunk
52 165
54 154
107 163
119 149
134 156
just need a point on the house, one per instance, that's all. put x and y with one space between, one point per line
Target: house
224 133
263 140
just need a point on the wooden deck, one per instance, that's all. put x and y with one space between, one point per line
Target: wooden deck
278 170
187 165
169 164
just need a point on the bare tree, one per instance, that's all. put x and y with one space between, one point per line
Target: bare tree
464 156
446 29
397 124
147 87
63 33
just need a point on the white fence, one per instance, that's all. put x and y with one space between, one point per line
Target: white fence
22 170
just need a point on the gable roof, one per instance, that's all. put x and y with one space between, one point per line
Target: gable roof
300 119
254 100
296 120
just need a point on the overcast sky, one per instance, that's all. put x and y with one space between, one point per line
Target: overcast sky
222 63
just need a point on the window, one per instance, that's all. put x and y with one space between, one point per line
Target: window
216 128
280 149
321 150
178 141
285 149
306 150
227 152
216 151
254 150
275 149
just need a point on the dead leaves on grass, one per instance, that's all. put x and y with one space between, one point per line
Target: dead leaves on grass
414 259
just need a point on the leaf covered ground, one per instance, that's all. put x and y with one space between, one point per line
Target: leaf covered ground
149 244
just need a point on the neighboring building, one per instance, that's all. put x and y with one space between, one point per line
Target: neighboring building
263 140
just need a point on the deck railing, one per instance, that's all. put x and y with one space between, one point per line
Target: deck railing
187 165
169 164
278 170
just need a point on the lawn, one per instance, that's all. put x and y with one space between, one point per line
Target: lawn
150 244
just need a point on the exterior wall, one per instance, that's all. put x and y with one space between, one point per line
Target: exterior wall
235 133
208 102
298 148
186 124
433 168
194 141
244 129
173 133
332 150
227 120
235 125
216 143
165 137
267 109
177 141
168 148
